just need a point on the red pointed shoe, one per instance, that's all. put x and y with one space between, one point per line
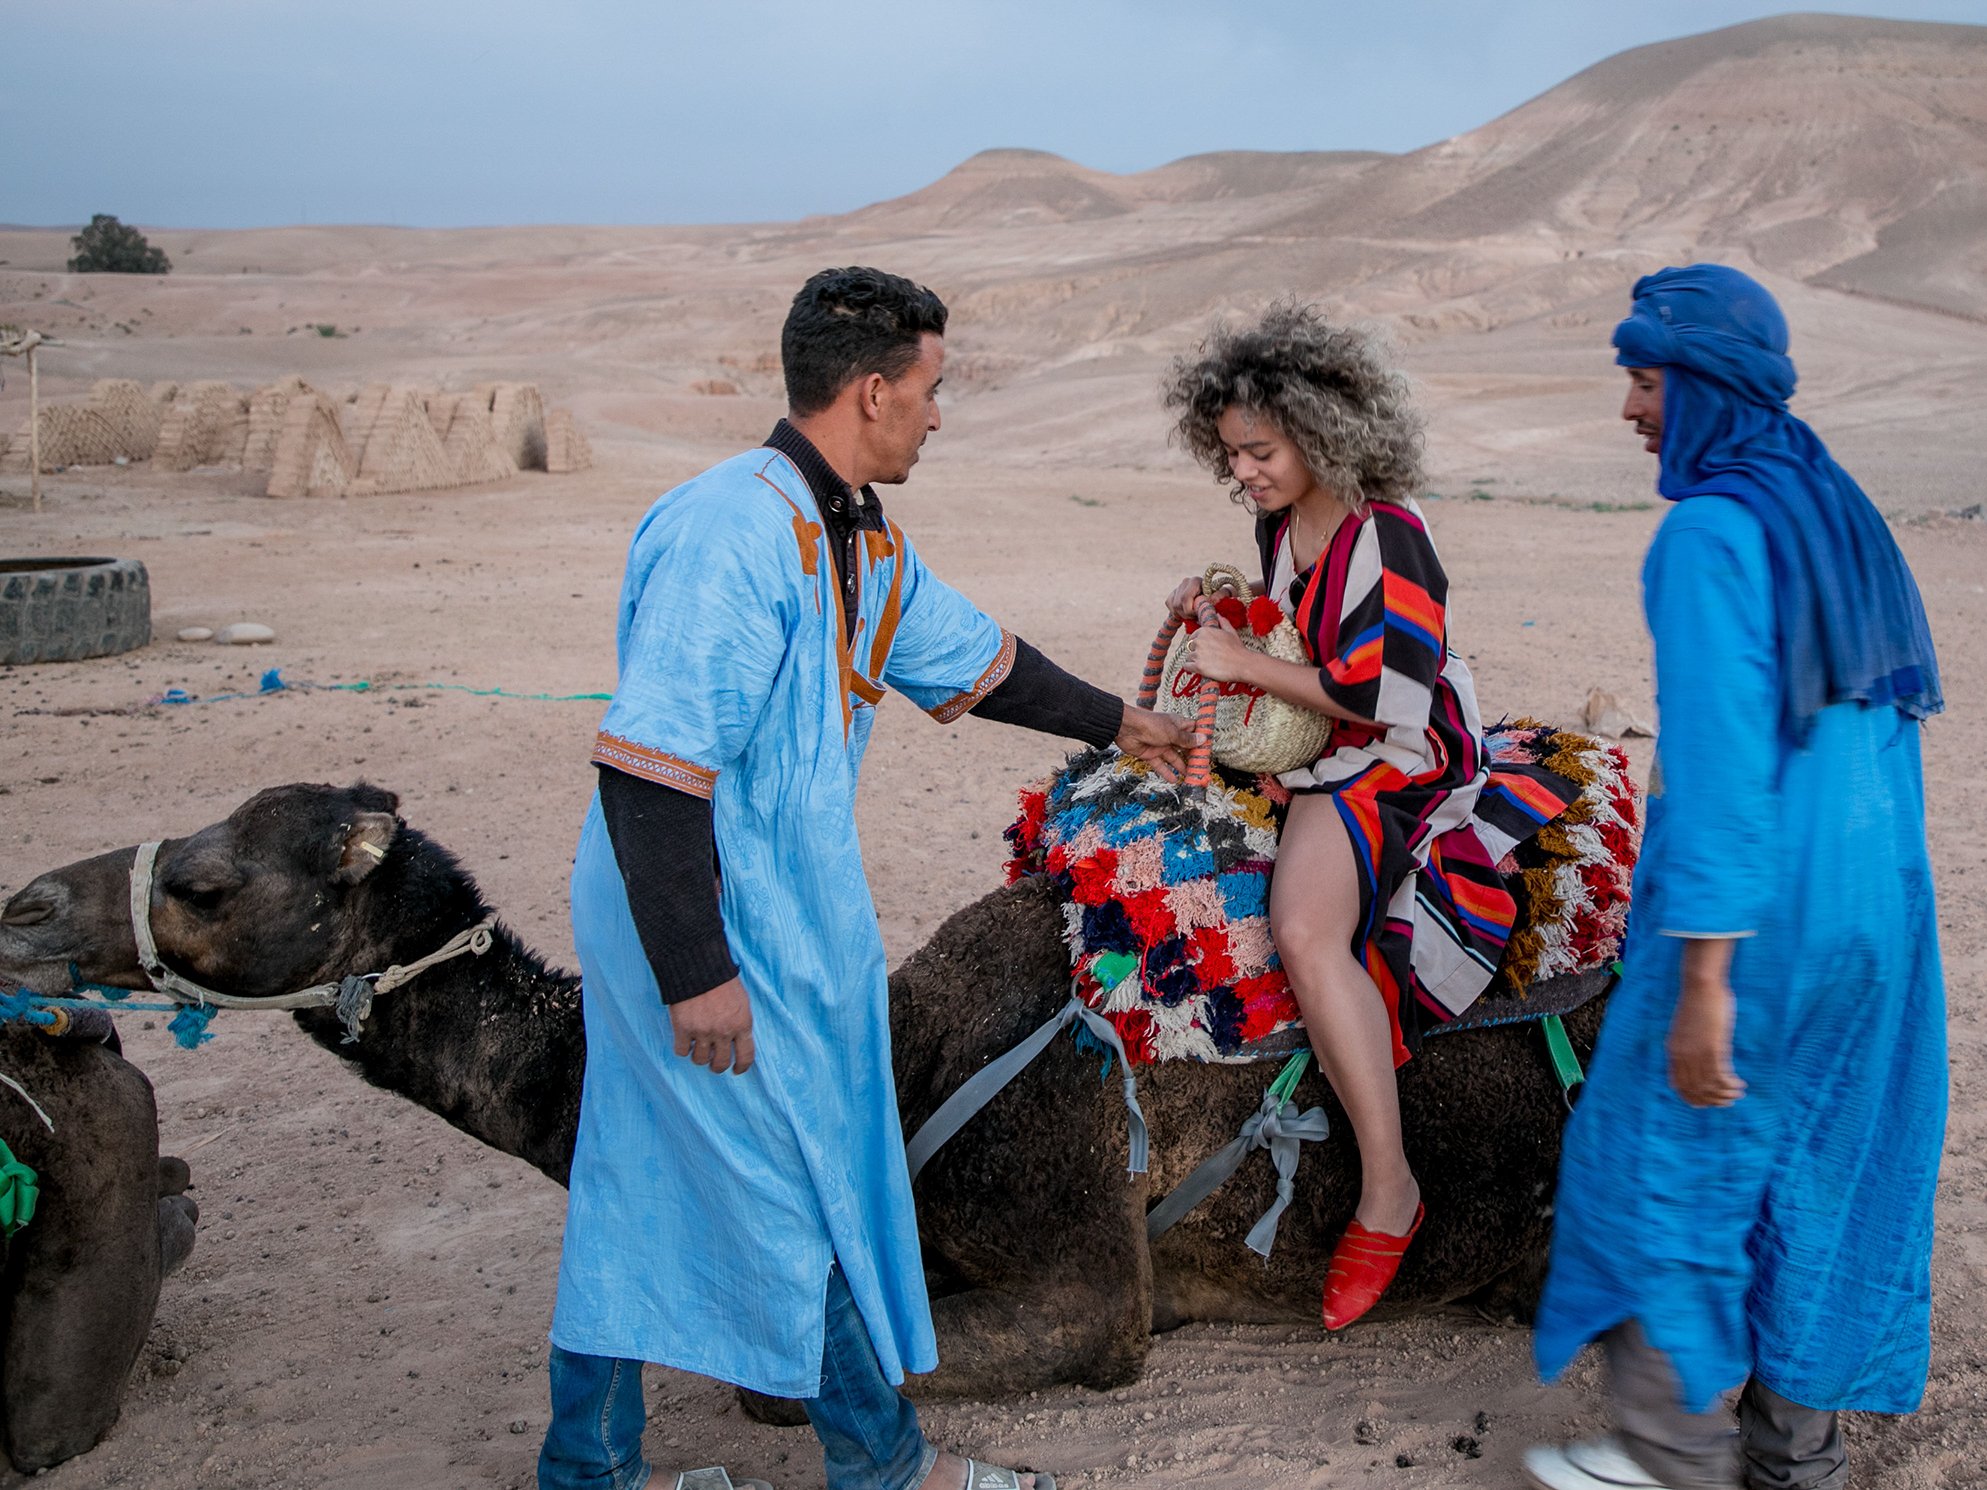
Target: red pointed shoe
1363 1264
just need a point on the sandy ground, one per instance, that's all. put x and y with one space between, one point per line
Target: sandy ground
368 1300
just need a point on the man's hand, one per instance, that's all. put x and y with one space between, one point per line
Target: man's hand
1700 1043
715 1029
1160 740
1185 594
1184 602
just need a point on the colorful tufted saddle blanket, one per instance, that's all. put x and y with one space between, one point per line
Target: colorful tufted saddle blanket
1165 897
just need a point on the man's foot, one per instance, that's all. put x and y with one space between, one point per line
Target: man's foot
1591 1464
951 1472
714 1478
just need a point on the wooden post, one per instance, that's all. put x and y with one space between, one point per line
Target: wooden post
34 429
23 344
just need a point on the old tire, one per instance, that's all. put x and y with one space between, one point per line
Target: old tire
63 610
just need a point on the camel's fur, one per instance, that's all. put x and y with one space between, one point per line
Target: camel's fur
1034 1233
78 1285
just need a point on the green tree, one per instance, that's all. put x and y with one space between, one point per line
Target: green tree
107 246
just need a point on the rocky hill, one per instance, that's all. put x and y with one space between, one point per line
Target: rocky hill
1840 151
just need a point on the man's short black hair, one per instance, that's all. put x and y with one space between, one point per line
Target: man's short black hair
849 323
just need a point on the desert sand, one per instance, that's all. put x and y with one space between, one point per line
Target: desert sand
368 1299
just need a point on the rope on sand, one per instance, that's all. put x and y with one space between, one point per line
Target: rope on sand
273 681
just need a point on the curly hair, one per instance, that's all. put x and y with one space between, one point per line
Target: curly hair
1327 390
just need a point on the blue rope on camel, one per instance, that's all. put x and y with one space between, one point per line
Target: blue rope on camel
352 996
188 1025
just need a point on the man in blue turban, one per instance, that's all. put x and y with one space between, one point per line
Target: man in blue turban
1745 1198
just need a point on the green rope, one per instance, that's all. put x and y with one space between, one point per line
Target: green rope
368 686
18 1190
1287 1079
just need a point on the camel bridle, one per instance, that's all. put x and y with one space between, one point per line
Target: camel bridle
352 995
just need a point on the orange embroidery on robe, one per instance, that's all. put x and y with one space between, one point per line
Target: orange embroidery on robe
845 649
806 534
869 690
654 765
995 674
893 603
882 543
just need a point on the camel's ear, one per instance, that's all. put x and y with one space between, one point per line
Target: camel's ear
367 839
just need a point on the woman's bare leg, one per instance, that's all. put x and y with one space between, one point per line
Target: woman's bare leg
1314 913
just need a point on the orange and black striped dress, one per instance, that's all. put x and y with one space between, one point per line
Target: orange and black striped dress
1428 816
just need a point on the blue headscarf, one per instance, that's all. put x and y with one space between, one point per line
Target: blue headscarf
1850 620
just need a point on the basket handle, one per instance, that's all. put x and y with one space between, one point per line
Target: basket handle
1200 760
1221 576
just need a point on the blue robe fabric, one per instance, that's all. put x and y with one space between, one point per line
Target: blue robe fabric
705 1210
1789 1236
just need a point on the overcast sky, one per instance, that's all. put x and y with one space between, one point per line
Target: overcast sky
232 113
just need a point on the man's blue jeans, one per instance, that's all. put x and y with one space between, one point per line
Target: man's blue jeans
868 1429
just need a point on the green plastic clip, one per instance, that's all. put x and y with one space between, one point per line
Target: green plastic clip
1287 1079
1565 1063
17 1192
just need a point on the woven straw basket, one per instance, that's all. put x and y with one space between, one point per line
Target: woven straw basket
1252 730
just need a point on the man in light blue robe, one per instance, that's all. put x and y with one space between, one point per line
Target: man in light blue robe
740 1205
1745 1197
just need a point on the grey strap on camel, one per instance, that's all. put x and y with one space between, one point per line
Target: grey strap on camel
985 1084
1276 1126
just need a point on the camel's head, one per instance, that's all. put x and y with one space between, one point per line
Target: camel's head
256 905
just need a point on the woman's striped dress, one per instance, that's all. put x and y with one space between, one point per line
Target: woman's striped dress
1428 815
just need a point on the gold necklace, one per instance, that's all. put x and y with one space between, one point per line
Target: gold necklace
1296 519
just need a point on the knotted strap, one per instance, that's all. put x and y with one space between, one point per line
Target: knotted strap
355 994
1276 1126
985 1084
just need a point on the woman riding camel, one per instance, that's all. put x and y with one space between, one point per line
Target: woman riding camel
1387 908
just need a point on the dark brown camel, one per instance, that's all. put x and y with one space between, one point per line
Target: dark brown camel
1034 1233
79 1283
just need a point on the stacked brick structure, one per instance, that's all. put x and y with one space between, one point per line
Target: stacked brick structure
384 438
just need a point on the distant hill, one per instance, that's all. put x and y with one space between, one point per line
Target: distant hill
1012 188
1844 152
1820 145
1007 188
